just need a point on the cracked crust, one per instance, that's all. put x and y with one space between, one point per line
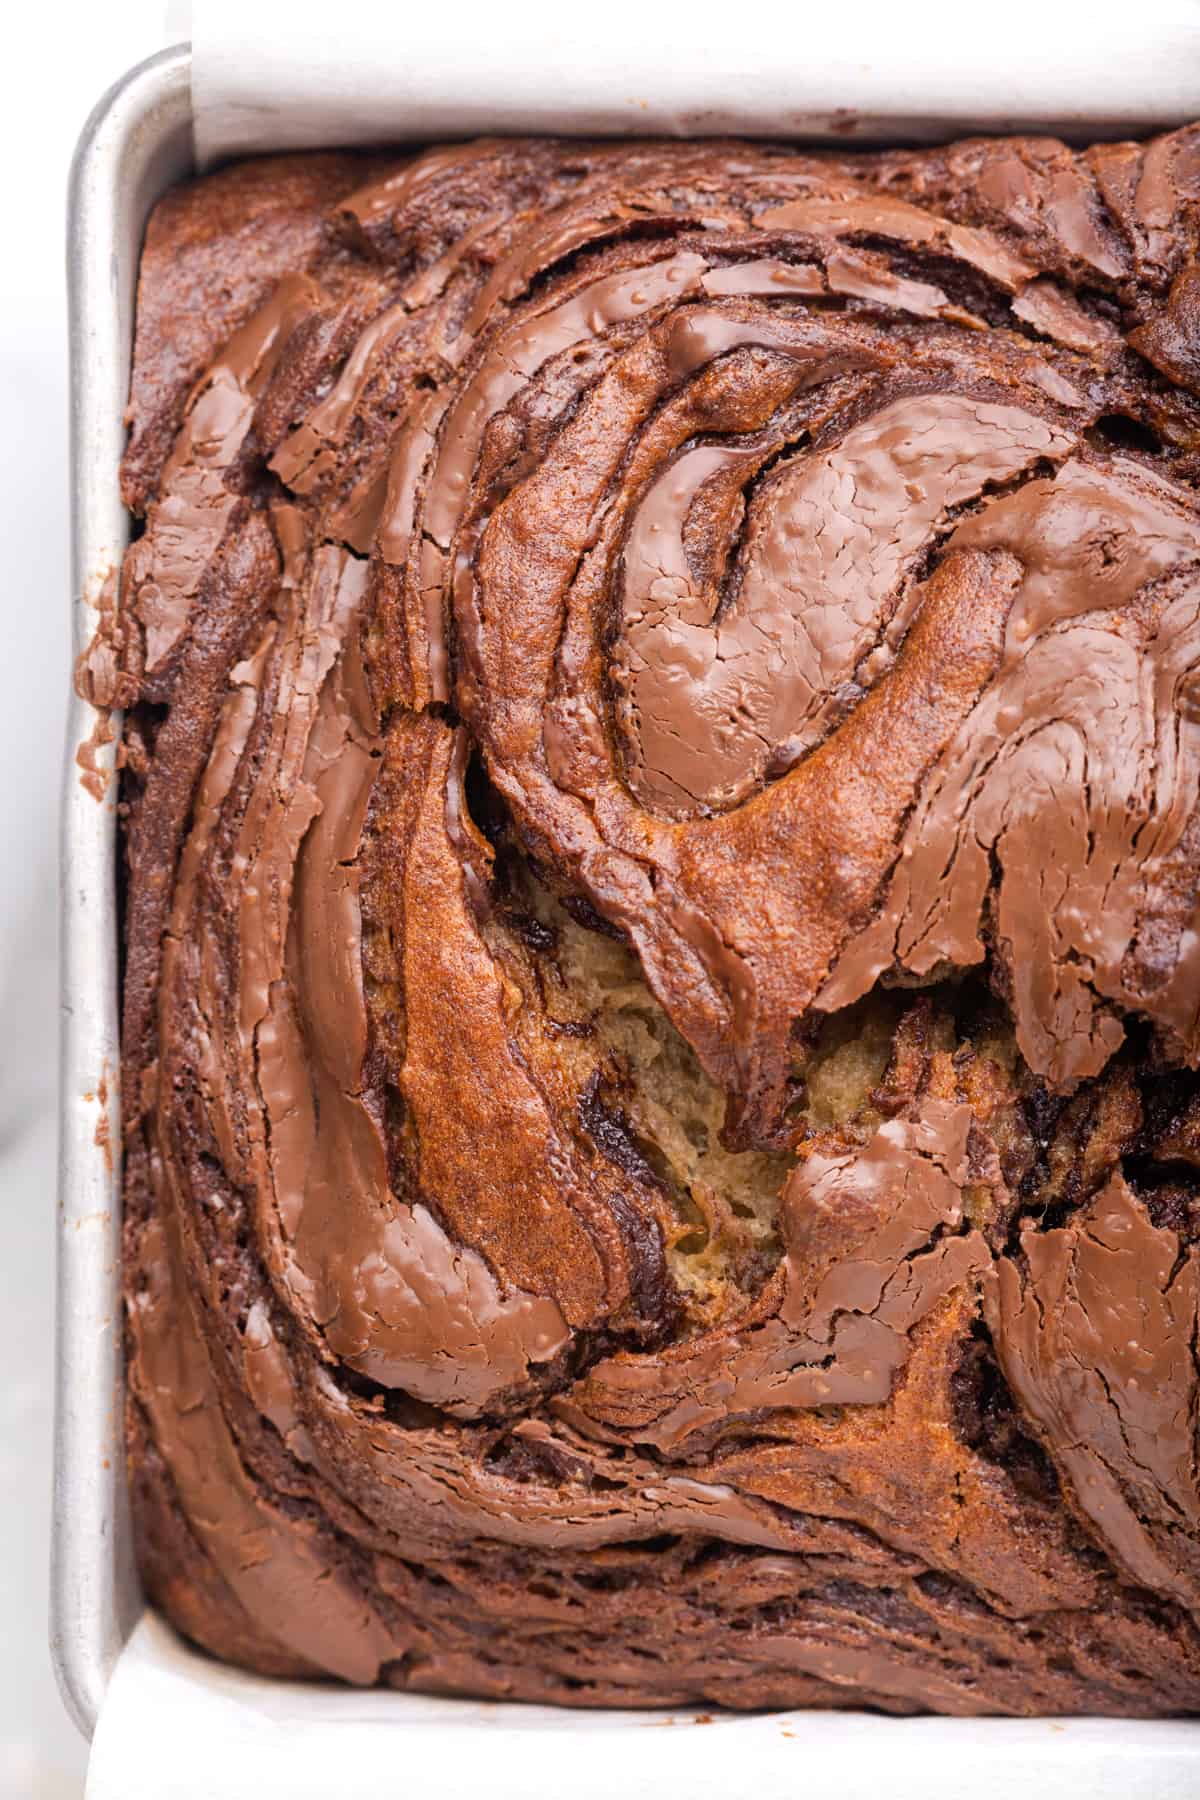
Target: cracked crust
662 988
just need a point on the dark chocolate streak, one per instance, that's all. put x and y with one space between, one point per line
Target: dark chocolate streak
789 567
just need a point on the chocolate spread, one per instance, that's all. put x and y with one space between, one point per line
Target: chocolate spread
789 566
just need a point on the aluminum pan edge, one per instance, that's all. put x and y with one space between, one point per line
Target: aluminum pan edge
135 144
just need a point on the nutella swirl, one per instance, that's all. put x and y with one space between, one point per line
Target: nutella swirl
662 994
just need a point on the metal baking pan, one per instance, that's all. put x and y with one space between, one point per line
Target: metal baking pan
136 144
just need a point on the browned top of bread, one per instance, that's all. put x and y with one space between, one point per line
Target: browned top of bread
662 981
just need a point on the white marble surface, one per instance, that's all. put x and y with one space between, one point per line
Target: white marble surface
59 58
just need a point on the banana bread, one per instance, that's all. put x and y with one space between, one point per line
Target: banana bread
662 923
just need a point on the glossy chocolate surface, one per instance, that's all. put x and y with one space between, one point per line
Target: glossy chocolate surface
788 565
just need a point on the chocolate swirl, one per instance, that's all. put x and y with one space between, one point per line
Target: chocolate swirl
662 982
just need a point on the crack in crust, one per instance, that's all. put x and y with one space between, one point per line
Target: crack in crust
662 985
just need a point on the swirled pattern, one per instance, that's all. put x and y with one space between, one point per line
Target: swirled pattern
663 923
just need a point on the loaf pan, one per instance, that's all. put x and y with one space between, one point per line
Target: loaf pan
136 144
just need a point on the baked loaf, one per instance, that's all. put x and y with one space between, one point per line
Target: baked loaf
662 963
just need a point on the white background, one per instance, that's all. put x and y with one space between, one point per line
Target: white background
58 60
